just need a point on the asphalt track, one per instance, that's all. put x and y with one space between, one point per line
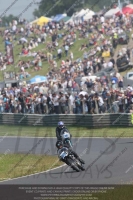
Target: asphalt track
98 153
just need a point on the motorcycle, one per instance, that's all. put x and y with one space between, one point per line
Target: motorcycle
73 162
66 138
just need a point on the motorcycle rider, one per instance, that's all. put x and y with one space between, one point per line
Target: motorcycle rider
61 147
61 127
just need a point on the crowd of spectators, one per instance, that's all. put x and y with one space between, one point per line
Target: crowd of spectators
60 97
67 91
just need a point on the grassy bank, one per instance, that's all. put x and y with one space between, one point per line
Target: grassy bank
27 165
28 131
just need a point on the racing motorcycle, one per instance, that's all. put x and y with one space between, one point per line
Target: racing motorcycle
66 138
73 162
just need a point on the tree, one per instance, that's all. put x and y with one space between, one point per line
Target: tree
54 7
8 19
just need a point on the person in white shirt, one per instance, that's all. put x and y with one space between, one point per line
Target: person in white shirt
55 100
118 75
129 88
36 88
56 44
29 47
120 31
14 28
15 22
54 64
6 31
55 87
22 69
102 19
4 66
22 29
43 37
38 103
69 83
23 40
59 51
51 31
41 89
100 103
39 40
34 53
71 56
36 44
98 49
66 50
64 84
110 64
71 104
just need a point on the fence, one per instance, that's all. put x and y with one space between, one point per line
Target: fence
98 120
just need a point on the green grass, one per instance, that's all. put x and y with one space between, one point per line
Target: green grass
31 164
75 131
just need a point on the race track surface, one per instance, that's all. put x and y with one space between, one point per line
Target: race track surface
108 160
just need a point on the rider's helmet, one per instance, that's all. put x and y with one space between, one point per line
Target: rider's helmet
60 125
59 144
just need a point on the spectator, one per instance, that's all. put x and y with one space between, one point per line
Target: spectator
59 53
66 50
55 100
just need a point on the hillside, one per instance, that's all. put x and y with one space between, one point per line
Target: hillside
41 47
46 67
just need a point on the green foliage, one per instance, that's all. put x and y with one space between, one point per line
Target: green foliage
7 19
53 7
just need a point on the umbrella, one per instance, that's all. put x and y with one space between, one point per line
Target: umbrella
38 79
130 6
83 93
126 10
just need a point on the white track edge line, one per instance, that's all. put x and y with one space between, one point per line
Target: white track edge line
33 174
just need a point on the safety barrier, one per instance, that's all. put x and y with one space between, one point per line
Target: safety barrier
97 120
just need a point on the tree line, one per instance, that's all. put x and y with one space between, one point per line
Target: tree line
53 7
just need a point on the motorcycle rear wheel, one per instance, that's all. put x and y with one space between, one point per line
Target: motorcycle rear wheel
73 165
80 166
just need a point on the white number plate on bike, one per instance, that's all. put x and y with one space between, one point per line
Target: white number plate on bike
66 135
63 154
